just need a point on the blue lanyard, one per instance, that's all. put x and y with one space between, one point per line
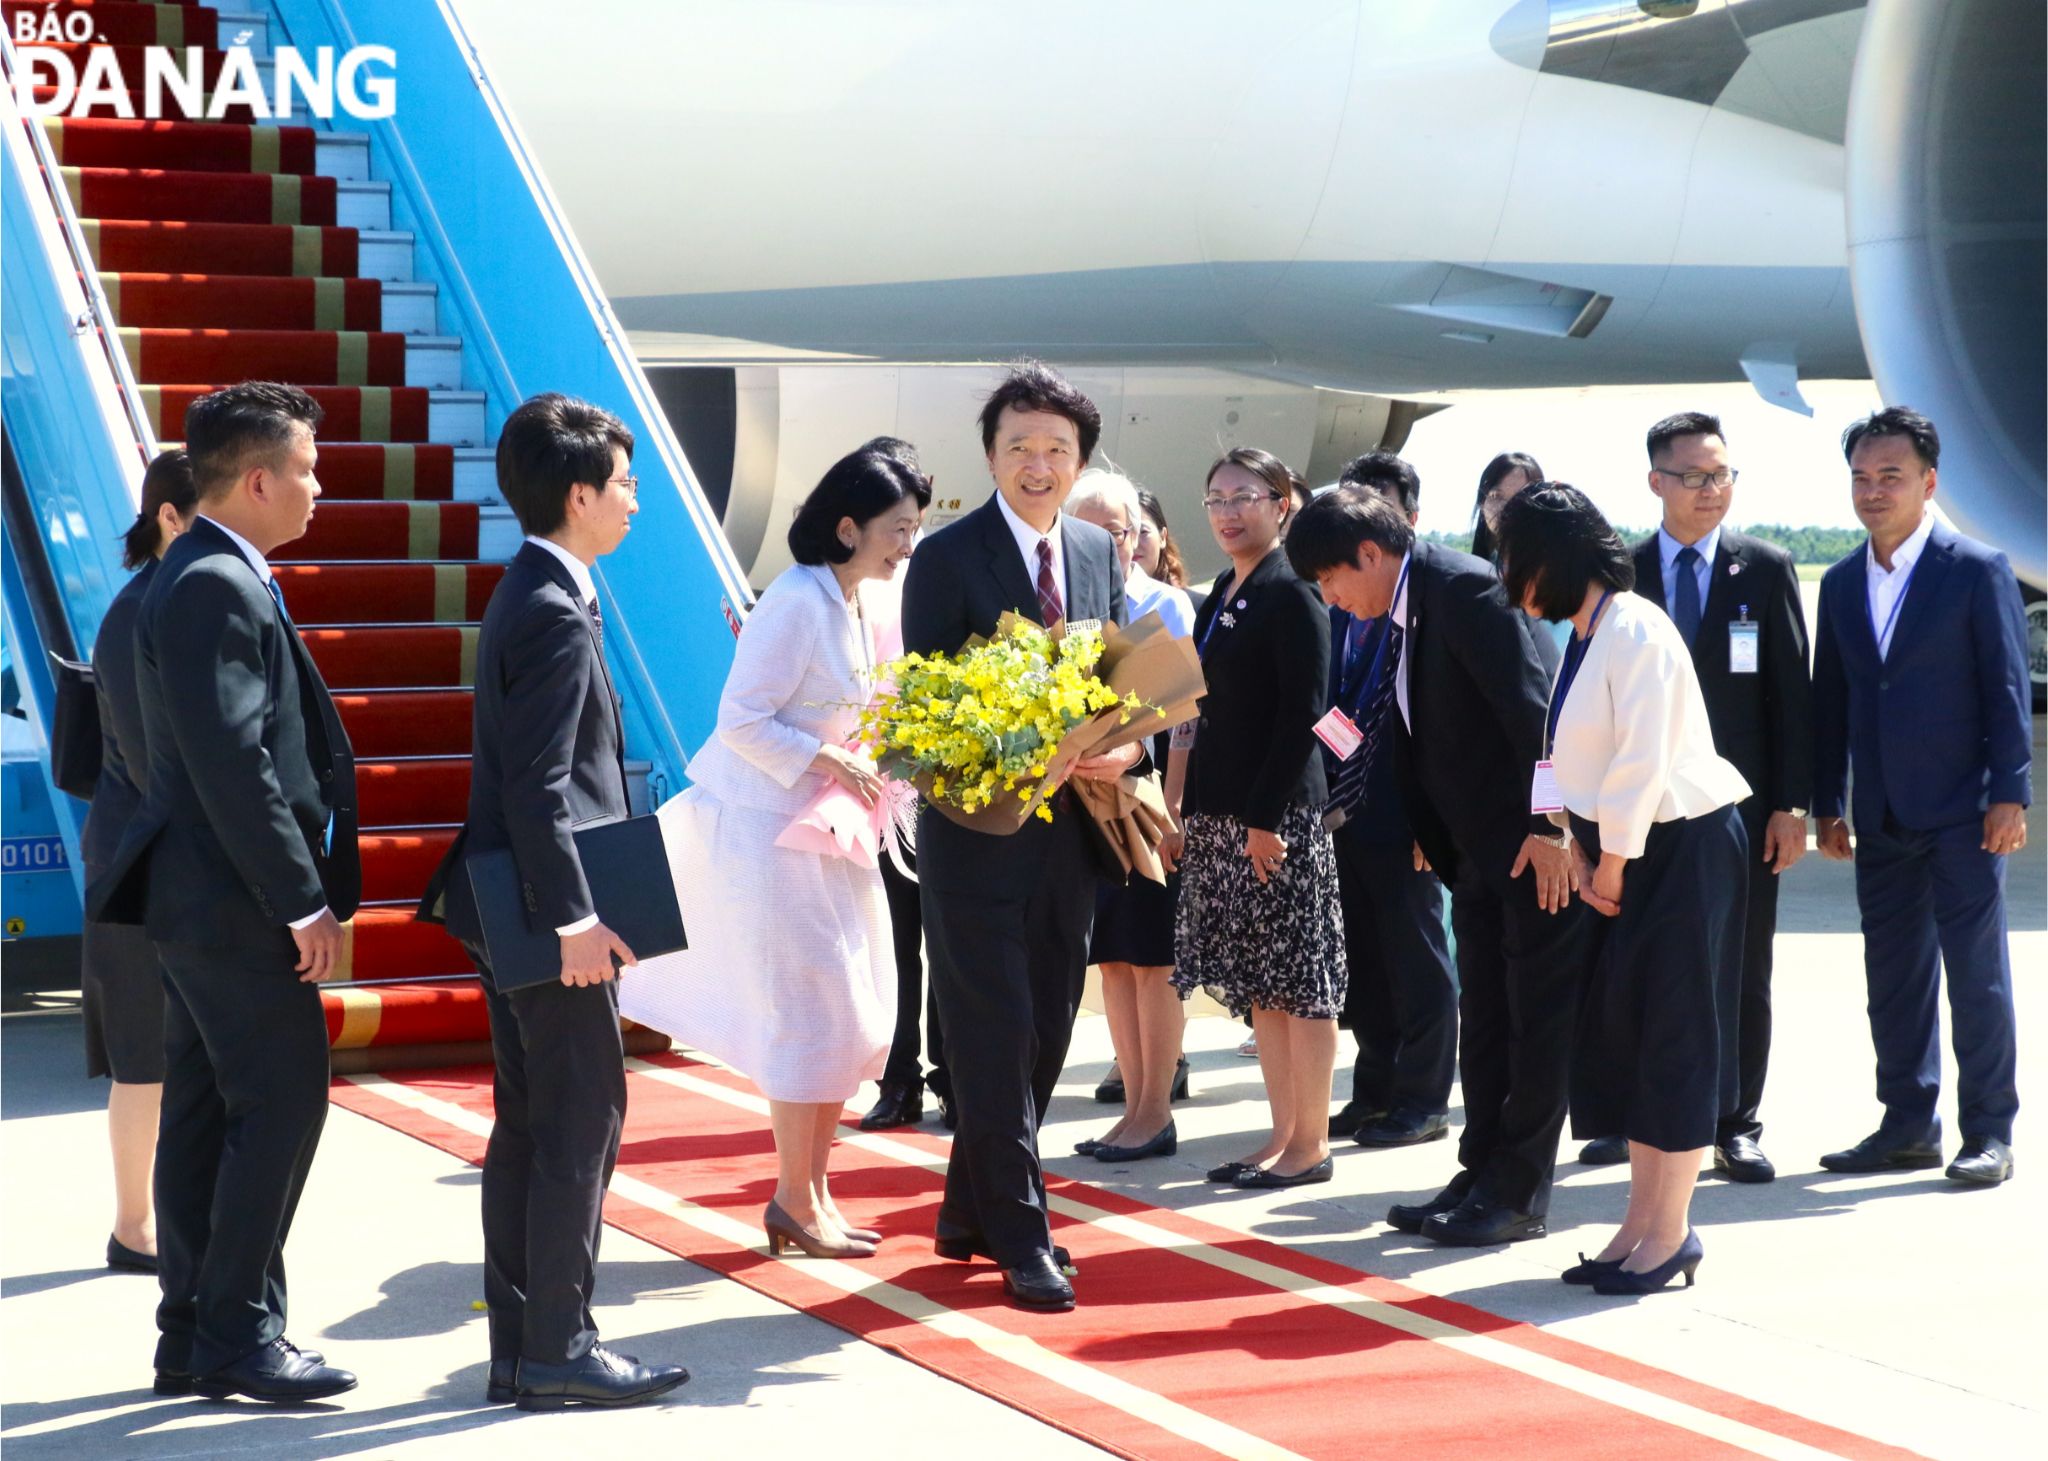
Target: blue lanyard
1892 619
1574 656
1219 597
1379 654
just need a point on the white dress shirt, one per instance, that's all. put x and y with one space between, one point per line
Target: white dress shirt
1399 610
1633 746
1028 538
1888 585
1668 548
262 566
579 572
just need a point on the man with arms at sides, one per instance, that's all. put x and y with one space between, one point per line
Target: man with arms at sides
1920 689
549 755
242 864
1472 690
1735 600
1007 918
1402 1002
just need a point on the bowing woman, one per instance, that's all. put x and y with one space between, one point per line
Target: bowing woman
1259 925
1659 850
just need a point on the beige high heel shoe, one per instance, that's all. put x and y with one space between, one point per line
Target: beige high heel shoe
784 1231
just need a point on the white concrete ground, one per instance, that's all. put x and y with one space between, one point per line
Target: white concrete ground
1898 1307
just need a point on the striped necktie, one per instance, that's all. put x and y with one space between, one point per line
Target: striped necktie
1352 775
1051 610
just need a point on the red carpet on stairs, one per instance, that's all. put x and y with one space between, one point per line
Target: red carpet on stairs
354 413
200 197
244 301
148 245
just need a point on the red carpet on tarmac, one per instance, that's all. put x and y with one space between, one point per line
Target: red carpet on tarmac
1191 1341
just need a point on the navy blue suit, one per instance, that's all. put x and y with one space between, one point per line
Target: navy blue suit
1936 731
1402 1001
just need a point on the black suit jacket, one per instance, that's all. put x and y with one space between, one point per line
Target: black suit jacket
1266 655
247 764
124 748
1479 676
1763 722
961 580
548 749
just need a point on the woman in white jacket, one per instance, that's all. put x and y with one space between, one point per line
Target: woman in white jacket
790 976
1660 851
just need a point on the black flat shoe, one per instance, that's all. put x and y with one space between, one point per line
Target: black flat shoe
966 1250
128 1260
277 1374
1588 1270
601 1378
1229 1171
1478 1223
1879 1152
1740 1159
1404 1128
1087 1147
1039 1285
1408 1217
502 1388
1604 1151
1163 1145
899 1104
1262 1178
1620 1282
1984 1161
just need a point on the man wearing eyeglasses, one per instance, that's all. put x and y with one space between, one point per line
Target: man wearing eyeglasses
1736 601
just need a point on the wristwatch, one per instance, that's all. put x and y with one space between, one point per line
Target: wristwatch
1799 812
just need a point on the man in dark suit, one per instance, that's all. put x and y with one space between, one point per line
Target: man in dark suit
1920 687
1007 917
1472 689
1736 601
549 754
1402 1001
242 864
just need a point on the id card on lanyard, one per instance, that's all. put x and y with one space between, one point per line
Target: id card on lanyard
1884 636
1545 796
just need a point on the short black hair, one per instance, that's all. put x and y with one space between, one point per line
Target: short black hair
168 480
1327 533
1384 471
1685 423
227 430
549 444
1033 385
1491 476
1895 421
862 485
1555 541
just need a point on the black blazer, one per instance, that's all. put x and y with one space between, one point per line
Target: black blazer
548 748
1266 654
1479 676
124 749
247 763
1763 722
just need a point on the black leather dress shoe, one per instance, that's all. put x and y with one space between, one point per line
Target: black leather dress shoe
1404 1128
1039 1285
1984 1161
900 1103
503 1386
1604 1151
129 1260
601 1378
1354 1114
966 1250
1882 1152
278 1374
170 1381
1478 1223
1261 1178
1740 1159
1408 1217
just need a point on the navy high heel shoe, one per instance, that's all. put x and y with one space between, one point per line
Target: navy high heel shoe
1587 1270
1686 1261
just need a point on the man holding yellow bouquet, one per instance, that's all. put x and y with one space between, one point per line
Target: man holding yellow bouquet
1007 916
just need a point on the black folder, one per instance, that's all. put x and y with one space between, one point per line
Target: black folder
626 865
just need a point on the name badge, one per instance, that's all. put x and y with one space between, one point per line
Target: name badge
1544 797
1743 642
1337 731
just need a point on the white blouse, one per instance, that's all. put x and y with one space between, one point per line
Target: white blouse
803 669
1633 744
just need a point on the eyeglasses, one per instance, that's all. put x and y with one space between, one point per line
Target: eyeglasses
1238 501
631 484
1701 481
1118 534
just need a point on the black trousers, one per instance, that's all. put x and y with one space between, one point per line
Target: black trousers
916 1002
1402 1001
1746 1009
1008 955
1521 973
245 1096
560 1094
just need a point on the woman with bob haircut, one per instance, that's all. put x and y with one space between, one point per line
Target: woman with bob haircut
1659 850
790 976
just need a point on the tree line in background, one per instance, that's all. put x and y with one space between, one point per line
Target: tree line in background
1806 545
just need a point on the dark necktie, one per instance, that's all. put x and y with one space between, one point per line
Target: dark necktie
597 621
1685 596
1050 609
1352 775
278 594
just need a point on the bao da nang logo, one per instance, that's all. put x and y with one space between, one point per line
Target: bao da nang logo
360 82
